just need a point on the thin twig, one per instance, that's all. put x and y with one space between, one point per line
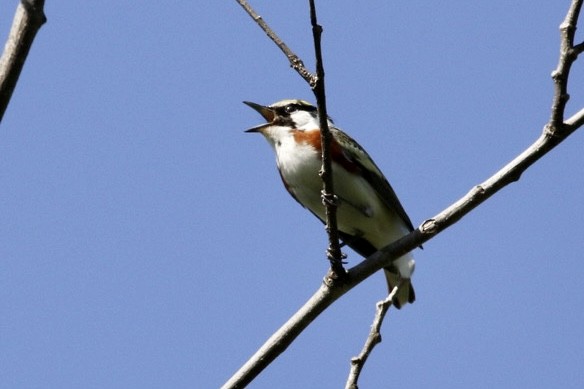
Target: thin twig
28 19
329 199
372 340
568 54
295 61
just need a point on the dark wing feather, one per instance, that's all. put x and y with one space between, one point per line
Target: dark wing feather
372 174
360 245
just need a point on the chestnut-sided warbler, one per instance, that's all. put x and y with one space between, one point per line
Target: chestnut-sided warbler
369 214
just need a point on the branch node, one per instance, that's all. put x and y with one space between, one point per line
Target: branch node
479 189
578 49
295 62
429 226
336 276
550 131
313 81
554 131
35 10
567 27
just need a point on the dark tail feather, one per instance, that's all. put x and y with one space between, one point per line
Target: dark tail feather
405 293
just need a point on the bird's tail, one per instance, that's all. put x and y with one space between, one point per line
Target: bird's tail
405 293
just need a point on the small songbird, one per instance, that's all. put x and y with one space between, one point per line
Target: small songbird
369 214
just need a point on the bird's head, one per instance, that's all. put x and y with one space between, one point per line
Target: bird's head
285 115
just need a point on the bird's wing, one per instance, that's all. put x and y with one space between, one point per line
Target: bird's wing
371 173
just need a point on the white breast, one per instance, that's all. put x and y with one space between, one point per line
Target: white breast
360 212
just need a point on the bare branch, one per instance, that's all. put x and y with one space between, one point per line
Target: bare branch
568 54
295 61
28 19
329 199
373 339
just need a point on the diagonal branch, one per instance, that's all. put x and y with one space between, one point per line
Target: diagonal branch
28 19
295 61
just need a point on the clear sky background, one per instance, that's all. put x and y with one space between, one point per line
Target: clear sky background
146 241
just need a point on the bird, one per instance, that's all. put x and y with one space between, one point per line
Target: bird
369 214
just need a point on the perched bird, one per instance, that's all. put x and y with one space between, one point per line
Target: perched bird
369 214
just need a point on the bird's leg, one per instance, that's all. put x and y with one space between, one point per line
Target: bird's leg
329 199
337 274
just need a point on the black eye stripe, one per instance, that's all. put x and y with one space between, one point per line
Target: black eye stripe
307 108
288 109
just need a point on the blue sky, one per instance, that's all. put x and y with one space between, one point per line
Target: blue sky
146 241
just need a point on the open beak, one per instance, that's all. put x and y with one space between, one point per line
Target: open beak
267 112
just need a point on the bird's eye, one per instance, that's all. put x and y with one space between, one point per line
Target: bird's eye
290 108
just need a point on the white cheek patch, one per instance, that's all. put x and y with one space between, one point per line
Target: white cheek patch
305 121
